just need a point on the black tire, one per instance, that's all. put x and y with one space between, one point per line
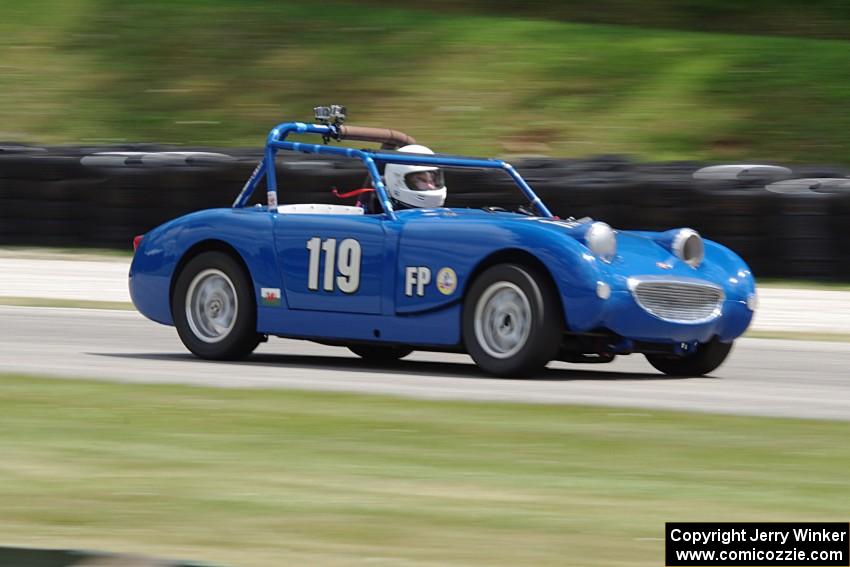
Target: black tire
706 359
380 353
230 304
495 347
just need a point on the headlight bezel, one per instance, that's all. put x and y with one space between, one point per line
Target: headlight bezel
689 247
601 239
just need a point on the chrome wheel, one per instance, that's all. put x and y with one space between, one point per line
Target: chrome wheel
211 305
503 320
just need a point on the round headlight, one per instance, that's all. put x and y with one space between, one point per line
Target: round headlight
688 246
601 240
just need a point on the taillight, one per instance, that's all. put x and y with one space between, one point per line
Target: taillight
137 241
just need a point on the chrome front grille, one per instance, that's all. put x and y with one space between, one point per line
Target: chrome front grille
678 301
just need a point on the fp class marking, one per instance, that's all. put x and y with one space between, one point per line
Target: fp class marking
418 276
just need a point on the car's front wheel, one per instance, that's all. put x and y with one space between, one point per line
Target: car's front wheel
512 321
708 357
214 309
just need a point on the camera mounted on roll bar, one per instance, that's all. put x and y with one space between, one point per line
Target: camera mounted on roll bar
333 116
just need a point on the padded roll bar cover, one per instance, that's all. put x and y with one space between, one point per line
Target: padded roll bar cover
389 139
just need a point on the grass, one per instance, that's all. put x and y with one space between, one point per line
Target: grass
222 73
42 253
799 336
247 477
74 303
822 285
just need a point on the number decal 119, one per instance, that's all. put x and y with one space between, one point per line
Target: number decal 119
344 260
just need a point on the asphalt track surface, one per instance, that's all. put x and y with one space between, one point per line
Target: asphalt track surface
762 377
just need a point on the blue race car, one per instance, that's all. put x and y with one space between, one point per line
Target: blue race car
514 290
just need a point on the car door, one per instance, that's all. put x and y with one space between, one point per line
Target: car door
331 262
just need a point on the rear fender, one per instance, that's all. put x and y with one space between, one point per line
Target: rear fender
164 250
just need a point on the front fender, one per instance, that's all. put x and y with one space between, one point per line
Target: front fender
739 286
466 247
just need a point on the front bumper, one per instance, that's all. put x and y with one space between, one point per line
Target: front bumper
626 318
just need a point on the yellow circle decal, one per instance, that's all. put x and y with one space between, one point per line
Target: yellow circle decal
446 281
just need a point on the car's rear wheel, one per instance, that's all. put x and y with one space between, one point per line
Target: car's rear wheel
214 309
705 360
380 353
512 321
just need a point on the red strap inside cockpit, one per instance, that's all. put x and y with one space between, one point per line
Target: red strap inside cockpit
353 193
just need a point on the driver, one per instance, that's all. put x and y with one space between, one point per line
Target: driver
415 186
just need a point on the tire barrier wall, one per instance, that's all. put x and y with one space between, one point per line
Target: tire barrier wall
102 197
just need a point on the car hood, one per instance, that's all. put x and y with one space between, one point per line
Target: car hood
639 253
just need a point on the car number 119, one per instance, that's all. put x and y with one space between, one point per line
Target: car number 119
342 262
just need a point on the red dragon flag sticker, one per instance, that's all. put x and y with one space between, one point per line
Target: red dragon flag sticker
270 296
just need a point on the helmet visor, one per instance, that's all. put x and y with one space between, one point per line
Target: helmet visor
424 180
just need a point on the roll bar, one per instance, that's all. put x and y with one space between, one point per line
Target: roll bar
276 140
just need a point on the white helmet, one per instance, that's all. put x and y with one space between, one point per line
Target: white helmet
415 185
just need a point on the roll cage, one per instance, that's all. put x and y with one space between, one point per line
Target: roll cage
390 139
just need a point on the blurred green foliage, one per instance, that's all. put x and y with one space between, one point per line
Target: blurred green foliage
804 18
264 477
222 73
